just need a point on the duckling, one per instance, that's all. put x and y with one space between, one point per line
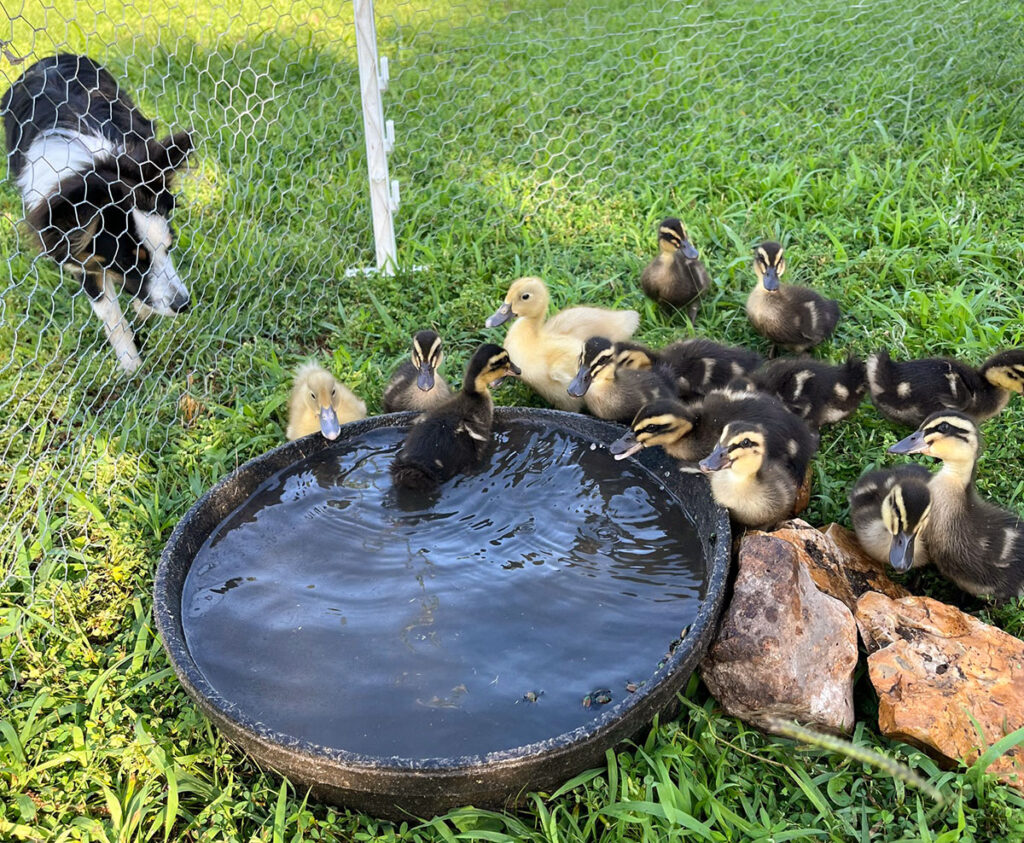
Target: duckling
796 318
759 467
676 277
688 432
890 508
977 545
320 402
548 352
907 393
611 392
415 384
697 365
452 437
819 392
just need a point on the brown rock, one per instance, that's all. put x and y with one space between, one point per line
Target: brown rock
783 649
835 561
935 668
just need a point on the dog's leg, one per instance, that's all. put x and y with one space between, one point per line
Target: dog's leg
142 310
103 298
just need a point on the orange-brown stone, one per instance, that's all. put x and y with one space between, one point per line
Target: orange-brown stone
935 668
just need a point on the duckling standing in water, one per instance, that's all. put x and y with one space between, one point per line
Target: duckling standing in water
977 545
416 385
890 508
907 393
796 318
452 437
676 277
320 402
611 392
819 392
696 365
759 467
548 350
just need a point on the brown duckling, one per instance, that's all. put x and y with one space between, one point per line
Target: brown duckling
611 392
677 277
415 384
320 402
759 468
697 365
548 350
977 545
890 508
796 318
817 391
452 437
909 392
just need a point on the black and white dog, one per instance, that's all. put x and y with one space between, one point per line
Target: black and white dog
95 183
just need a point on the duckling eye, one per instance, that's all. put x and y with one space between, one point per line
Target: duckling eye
525 296
312 395
746 443
944 428
334 391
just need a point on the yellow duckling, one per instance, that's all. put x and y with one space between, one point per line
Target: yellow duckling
548 350
320 402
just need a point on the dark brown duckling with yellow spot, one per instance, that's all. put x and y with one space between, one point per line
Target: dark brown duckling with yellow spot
611 392
817 391
793 317
416 384
677 277
974 543
908 392
697 365
453 437
889 509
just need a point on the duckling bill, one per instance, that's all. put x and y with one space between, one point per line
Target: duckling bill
319 402
453 437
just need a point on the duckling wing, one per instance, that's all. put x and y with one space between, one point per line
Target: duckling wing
586 322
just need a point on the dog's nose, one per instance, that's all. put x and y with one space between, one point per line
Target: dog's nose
181 303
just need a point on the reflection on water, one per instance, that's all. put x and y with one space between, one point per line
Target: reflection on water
479 617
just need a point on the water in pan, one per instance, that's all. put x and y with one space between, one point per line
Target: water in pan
334 609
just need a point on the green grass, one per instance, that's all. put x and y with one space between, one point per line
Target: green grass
881 142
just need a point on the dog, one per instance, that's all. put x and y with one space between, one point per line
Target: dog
96 188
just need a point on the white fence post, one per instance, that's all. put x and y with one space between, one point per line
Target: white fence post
380 137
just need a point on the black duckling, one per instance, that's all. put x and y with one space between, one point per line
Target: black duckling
697 365
759 468
890 508
611 392
319 401
796 318
907 393
819 392
452 438
977 545
677 277
415 384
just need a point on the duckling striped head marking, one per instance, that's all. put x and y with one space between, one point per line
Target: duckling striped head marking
671 232
741 448
489 366
597 355
426 357
905 513
658 423
1006 370
769 264
946 434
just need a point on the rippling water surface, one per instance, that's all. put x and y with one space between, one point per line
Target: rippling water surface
334 609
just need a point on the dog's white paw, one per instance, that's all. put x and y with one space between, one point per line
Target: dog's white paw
130 362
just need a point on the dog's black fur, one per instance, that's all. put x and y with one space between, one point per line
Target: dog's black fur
96 186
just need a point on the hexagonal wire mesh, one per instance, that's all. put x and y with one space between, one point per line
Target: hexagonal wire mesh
518 112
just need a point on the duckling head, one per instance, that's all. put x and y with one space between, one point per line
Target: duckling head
597 357
948 435
1006 370
769 264
672 237
741 449
905 513
527 297
321 397
488 367
426 357
661 422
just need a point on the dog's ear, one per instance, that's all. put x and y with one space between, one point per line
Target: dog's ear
68 221
170 153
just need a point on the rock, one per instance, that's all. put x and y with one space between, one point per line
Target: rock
835 561
935 668
783 649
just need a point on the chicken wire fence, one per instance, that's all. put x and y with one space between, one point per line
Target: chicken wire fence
509 114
